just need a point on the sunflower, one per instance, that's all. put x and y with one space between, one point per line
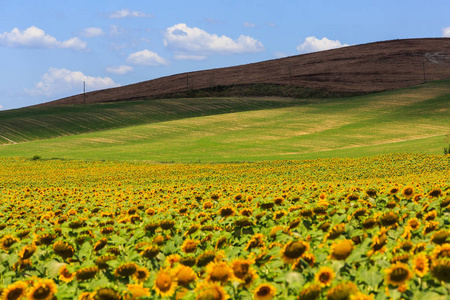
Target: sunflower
172 259
325 276
257 241
335 232
210 291
341 250
86 296
408 192
342 291
138 290
100 244
440 269
141 274
65 275
167 224
441 251
293 250
189 246
63 249
264 291
440 237
126 269
218 271
389 219
310 292
7 241
309 258
414 223
165 283
361 296
420 265
398 273
242 270
107 293
42 289
14 291
27 251
227 211
150 252
206 257
184 275
86 273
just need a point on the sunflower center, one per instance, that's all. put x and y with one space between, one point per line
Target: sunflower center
295 250
324 277
164 281
41 293
219 274
241 269
263 291
399 275
15 293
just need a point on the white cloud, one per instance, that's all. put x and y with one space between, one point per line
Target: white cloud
1 107
119 69
126 13
146 58
116 30
34 37
60 82
249 25
446 32
195 42
92 32
313 44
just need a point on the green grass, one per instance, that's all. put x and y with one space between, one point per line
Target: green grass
44 122
409 120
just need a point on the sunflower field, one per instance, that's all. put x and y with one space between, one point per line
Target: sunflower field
335 229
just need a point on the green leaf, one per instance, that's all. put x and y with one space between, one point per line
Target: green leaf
52 267
372 277
295 277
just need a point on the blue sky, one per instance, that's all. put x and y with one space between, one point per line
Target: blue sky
48 48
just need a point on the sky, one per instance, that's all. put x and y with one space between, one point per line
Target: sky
48 48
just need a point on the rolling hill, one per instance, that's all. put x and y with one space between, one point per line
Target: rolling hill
359 69
411 120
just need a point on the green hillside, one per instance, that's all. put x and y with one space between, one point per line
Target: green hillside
44 122
409 120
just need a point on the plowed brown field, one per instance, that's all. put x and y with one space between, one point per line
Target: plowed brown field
357 69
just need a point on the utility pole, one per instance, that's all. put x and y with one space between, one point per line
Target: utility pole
84 92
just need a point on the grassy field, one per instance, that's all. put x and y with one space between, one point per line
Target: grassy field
44 122
410 120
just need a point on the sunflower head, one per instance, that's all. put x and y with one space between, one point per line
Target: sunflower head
389 219
63 249
325 276
440 237
398 273
189 246
141 274
138 290
16 290
107 293
42 289
342 291
65 275
294 250
165 283
341 250
184 275
205 258
210 291
408 192
264 291
86 273
126 269
150 251
420 265
310 292
440 269
218 272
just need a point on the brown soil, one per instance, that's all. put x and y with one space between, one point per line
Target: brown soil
357 69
